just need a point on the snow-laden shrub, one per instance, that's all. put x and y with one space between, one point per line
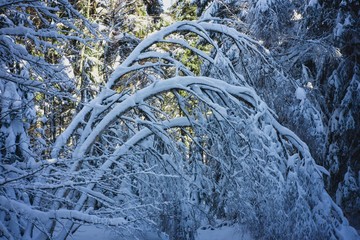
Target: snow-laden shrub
163 150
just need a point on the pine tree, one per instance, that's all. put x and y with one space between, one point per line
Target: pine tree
33 72
310 43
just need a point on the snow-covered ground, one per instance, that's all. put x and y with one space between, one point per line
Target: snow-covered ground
224 233
234 232
92 232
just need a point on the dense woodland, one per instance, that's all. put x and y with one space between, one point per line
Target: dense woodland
119 114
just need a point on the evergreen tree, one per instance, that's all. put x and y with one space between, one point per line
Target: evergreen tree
33 72
317 96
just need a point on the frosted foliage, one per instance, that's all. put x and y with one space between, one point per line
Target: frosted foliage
168 144
263 5
313 3
216 153
32 36
15 106
188 130
346 191
259 70
129 162
314 46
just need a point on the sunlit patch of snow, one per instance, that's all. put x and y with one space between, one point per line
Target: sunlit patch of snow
168 4
166 18
60 25
296 16
310 85
117 61
52 160
338 53
68 70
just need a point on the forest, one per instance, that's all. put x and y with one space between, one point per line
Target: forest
158 122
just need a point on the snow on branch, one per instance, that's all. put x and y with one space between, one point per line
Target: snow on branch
157 143
182 83
143 52
43 217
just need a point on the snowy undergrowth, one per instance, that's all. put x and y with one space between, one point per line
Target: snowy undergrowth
225 232
163 150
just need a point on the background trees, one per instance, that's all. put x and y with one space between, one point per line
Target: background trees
36 72
310 42
36 78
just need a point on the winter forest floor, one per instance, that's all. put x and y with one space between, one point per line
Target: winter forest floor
204 233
